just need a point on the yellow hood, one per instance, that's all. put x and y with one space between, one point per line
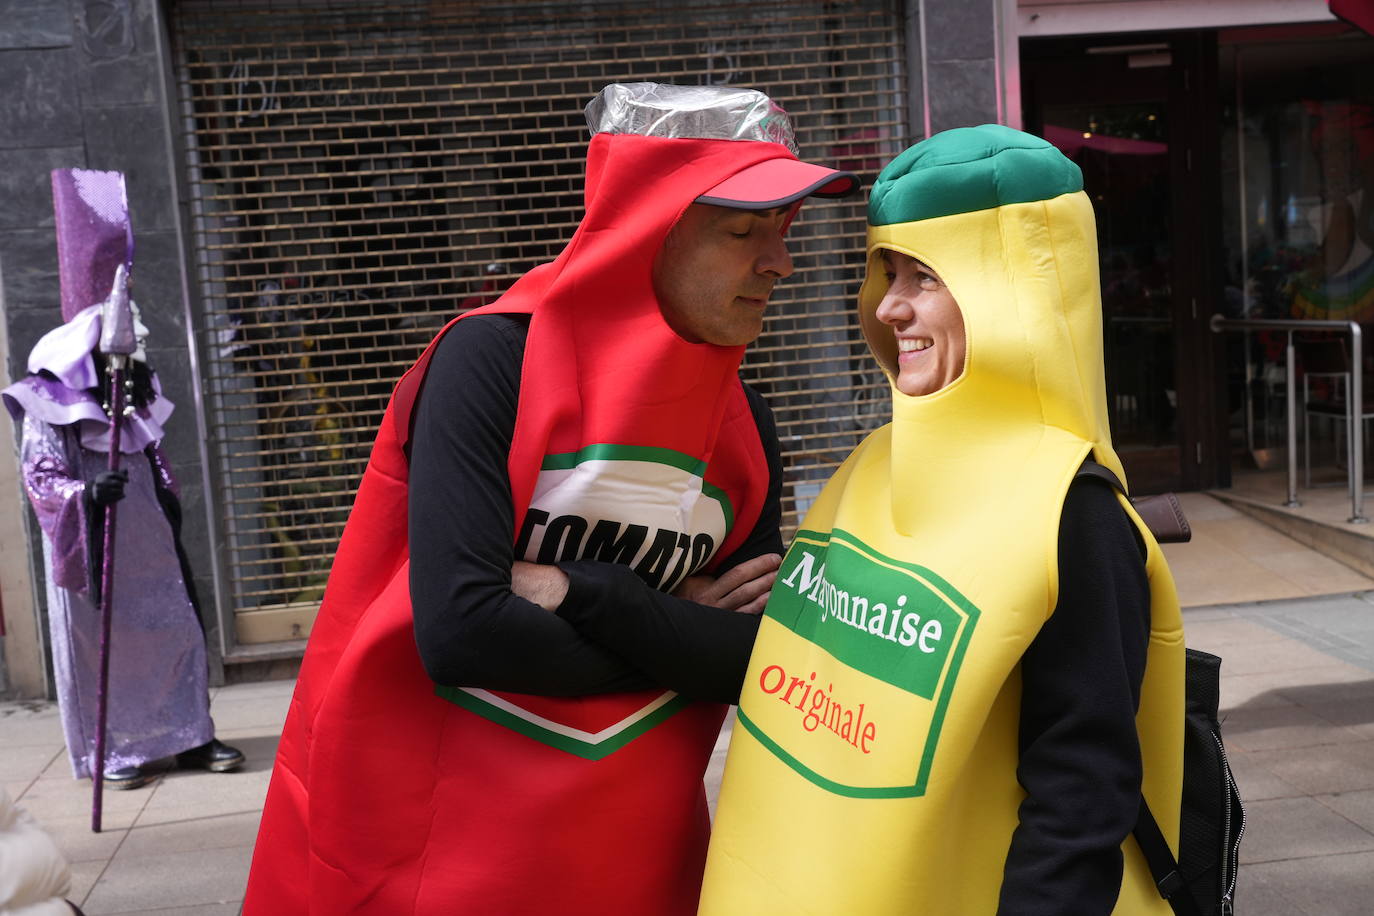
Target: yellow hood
1002 218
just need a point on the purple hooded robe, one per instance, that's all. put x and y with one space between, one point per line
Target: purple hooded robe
158 704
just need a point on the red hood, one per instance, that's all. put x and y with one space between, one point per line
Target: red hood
607 368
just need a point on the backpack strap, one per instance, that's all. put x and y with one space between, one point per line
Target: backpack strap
1163 866
1162 514
1091 468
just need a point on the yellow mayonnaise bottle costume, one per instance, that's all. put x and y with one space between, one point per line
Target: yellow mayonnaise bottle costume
874 766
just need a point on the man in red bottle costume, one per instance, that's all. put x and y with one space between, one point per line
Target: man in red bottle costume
542 598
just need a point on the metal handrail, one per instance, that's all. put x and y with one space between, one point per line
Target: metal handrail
1355 408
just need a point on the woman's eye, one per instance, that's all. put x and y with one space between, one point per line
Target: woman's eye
927 282
891 276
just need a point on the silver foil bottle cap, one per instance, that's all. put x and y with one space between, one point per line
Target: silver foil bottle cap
689 112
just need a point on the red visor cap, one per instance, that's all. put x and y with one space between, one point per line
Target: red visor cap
778 182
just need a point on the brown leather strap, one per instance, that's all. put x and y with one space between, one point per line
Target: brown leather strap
1164 517
1162 514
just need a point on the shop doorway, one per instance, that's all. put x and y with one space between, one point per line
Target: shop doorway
1128 110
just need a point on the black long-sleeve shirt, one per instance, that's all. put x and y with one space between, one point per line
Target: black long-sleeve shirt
612 632
1079 753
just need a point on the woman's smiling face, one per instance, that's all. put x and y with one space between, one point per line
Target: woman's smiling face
926 322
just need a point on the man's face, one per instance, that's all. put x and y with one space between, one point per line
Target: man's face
716 270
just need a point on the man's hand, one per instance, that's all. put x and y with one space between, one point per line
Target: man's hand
544 585
744 588
107 487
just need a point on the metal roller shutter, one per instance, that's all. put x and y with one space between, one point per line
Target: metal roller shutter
360 172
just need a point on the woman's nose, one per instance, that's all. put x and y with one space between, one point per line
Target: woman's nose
894 309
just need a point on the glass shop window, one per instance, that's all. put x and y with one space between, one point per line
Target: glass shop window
1297 153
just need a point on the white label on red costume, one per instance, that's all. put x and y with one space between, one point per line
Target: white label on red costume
647 508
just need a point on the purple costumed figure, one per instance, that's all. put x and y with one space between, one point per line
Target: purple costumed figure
158 705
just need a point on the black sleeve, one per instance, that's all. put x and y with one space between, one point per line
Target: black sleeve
171 508
701 652
471 630
767 535
95 543
1079 754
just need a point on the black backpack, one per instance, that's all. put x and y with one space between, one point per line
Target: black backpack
1202 880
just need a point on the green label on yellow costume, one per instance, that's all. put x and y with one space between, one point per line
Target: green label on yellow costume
863 653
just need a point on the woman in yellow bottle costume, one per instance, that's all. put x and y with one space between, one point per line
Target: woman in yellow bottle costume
971 664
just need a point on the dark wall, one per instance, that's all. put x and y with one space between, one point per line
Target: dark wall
85 83
960 61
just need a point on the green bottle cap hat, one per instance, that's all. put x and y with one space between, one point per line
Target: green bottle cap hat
969 169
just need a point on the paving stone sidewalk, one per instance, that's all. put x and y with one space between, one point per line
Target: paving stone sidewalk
1298 703
178 847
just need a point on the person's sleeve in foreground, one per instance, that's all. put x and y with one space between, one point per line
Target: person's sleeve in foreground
1080 756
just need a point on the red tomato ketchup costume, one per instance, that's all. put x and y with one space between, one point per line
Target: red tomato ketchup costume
393 796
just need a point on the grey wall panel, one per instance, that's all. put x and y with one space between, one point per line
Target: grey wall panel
39 105
959 30
26 188
967 93
26 325
959 44
35 24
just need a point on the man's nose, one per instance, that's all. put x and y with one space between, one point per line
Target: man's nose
776 260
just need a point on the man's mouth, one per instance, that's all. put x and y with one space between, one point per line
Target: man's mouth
757 302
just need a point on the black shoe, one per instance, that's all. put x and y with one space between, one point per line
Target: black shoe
215 756
126 778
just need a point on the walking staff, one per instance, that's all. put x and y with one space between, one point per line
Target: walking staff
117 343
104 200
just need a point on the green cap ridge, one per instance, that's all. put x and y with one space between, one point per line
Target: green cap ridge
969 169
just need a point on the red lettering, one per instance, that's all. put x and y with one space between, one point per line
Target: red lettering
805 693
823 711
763 678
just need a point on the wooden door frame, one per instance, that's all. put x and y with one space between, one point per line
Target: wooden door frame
1053 69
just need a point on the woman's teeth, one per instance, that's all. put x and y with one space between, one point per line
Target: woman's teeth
908 345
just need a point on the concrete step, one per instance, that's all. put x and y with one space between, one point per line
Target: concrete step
1350 544
1236 557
